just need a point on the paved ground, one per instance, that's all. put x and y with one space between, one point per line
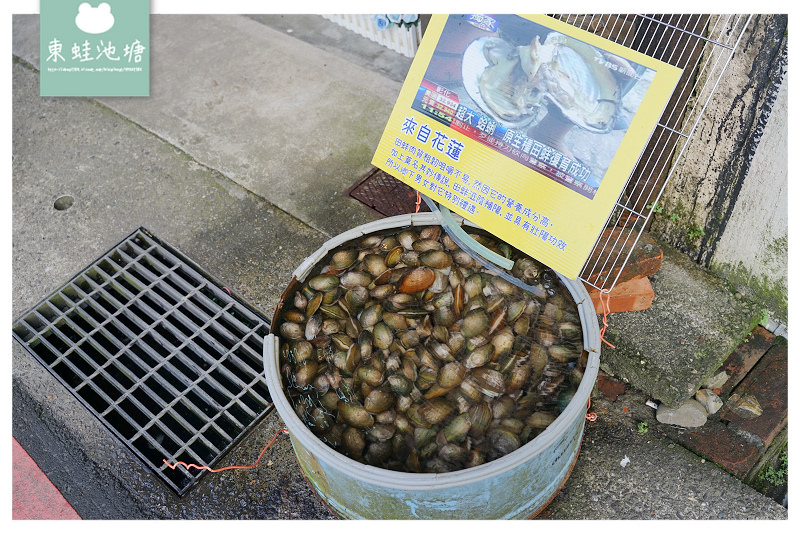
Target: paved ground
238 159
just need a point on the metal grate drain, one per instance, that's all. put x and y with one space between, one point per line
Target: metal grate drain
166 358
385 194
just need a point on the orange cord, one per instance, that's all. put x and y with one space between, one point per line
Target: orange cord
591 417
606 310
419 201
187 466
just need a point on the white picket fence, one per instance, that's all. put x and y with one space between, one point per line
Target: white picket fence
402 40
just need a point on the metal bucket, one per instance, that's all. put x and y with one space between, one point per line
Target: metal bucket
517 485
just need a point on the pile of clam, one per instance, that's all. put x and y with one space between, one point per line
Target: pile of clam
402 352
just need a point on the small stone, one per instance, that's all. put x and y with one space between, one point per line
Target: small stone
710 401
689 414
745 406
716 381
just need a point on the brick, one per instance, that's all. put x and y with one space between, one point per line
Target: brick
768 382
613 247
744 358
633 295
610 387
722 445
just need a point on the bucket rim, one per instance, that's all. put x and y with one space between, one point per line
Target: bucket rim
430 481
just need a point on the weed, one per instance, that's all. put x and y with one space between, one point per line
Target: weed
695 232
764 317
642 428
776 477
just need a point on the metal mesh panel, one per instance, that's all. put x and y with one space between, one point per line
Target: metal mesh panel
167 360
702 45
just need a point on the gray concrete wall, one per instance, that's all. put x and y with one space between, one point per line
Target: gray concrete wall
725 205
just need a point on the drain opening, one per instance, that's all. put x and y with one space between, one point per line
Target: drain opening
164 357
63 203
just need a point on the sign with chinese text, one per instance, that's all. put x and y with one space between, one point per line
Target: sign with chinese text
94 48
527 126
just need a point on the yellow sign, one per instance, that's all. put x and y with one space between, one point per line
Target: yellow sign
527 126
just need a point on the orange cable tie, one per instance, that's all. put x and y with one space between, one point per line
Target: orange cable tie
591 417
419 201
190 465
606 310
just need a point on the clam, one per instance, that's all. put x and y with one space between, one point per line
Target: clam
503 441
417 279
355 414
502 342
354 441
451 374
410 258
344 259
329 326
407 238
370 315
518 376
313 327
300 301
479 356
563 353
409 338
489 382
453 453
445 316
305 373
375 264
388 243
382 335
291 330
355 278
365 344
540 419
323 282
436 259
426 245
380 292
393 257
399 384
435 410
377 452
378 401
301 351
394 320
473 285
570 331
430 232
371 376
380 432
457 429
479 416
313 304
293 315
475 322
356 298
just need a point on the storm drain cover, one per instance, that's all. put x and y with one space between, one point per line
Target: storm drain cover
385 194
165 357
